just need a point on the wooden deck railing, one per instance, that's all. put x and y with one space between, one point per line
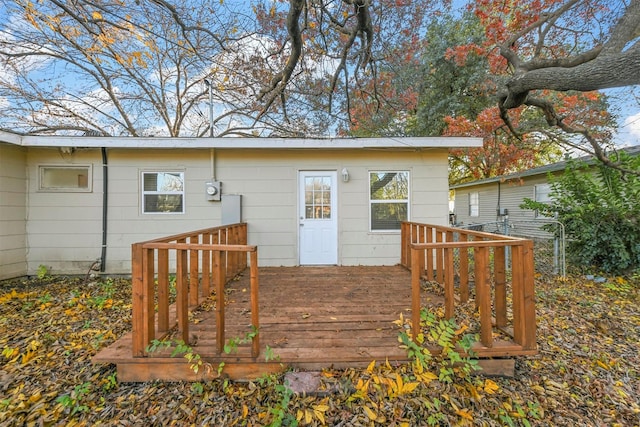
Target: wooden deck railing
202 261
454 258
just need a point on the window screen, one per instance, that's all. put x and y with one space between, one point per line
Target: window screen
163 192
389 200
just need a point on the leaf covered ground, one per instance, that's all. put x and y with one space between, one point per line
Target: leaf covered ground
586 372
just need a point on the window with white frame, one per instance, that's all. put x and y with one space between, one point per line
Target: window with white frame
542 194
474 204
388 200
163 192
65 178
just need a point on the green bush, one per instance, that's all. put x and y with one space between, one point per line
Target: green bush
600 209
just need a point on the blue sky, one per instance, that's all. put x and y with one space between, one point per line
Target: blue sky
624 103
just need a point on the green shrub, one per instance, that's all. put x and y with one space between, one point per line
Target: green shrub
600 209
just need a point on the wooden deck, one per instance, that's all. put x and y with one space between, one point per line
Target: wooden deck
318 317
310 318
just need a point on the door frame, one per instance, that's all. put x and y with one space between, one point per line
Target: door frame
333 174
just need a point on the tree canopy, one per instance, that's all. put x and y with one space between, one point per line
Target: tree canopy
315 68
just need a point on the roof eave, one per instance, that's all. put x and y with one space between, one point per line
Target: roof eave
235 143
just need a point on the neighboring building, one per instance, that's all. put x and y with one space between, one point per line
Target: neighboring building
305 201
492 199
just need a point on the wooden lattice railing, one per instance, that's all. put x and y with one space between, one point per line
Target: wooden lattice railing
201 261
494 264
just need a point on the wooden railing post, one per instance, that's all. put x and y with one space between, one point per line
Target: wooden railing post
415 292
500 280
194 270
255 317
219 282
429 230
420 238
517 285
206 266
163 290
139 324
449 295
404 244
483 294
182 294
463 256
439 259
528 295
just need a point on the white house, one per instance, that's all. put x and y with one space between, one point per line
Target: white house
491 199
66 202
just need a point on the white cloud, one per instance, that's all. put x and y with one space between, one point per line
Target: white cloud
629 131
632 123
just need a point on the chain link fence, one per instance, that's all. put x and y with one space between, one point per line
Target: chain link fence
547 236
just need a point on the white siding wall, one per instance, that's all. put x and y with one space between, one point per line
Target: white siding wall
512 195
13 211
65 228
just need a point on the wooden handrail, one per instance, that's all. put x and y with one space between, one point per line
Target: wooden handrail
429 252
204 261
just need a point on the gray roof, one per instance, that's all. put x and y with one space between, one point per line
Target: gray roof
540 170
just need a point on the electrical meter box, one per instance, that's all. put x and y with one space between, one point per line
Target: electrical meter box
213 190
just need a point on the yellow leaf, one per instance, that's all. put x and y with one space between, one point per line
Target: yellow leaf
245 411
399 384
371 366
427 377
462 329
96 15
28 356
372 415
322 408
308 416
465 413
473 391
35 397
409 387
400 321
319 415
490 387
602 364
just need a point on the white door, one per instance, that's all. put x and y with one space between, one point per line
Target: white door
318 218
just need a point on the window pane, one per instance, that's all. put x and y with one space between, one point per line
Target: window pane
388 216
543 193
389 185
150 181
162 203
474 204
317 196
163 192
64 178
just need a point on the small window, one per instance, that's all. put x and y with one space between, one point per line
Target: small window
163 192
65 178
317 197
474 204
389 200
542 194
